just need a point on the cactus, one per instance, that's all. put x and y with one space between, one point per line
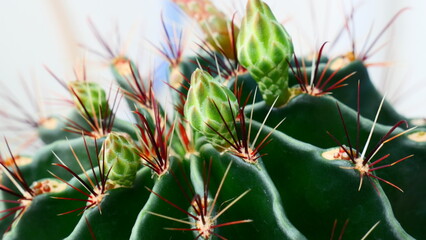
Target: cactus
225 164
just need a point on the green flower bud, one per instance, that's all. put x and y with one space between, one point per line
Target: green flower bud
119 153
264 47
213 22
204 116
90 98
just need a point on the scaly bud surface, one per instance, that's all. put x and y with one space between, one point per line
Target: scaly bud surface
211 108
119 153
264 49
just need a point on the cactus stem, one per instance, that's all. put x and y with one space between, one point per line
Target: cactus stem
344 229
230 205
171 218
175 206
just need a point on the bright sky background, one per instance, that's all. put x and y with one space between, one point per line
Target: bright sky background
37 33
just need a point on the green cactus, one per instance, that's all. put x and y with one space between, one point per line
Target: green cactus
299 162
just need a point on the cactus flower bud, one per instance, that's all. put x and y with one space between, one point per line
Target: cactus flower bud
213 23
264 47
208 110
90 99
119 153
